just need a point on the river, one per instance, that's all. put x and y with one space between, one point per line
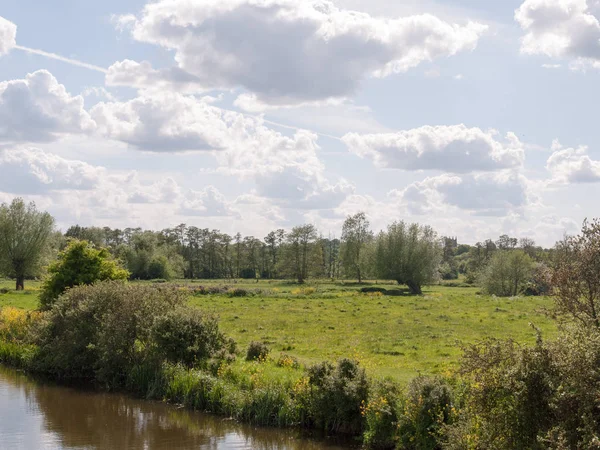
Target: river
37 415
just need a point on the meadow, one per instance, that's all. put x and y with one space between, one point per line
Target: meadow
397 335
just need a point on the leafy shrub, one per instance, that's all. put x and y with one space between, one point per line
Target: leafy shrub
103 331
16 324
507 273
186 335
540 282
381 415
257 351
373 289
337 395
238 292
80 263
428 409
287 361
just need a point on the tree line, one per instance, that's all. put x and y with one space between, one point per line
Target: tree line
412 254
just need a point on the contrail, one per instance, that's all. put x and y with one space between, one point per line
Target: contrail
74 62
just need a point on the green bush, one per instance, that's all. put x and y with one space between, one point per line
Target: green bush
507 273
428 409
381 414
337 396
257 351
103 331
186 335
80 263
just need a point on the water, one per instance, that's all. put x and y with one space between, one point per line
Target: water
41 416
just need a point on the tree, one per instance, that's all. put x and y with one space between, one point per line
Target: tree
301 252
24 236
507 273
409 254
79 263
356 234
576 275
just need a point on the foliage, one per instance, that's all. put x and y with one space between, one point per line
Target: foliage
257 351
16 324
24 236
301 254
79 263
337 395
428 408
576 275
507 273
102 331
540 280
409 254
532 397
356 236
381 414
186 335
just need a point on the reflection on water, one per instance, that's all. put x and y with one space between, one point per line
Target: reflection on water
37 415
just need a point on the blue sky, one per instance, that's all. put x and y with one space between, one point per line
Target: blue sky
478 118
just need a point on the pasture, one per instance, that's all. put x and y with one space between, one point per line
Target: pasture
396 335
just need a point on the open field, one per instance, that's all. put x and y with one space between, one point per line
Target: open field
392 335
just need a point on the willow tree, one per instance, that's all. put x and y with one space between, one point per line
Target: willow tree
409 254
24 236
356 235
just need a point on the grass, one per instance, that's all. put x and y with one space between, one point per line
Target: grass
398 336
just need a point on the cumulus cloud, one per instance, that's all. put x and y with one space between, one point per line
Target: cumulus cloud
288 51
208 202
572 165
8 35
33 171
143 76
487 194
38 108
455 149
562 29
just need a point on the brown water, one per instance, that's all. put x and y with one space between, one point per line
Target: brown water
40 416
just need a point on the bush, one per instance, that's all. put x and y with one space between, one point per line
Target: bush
238 292
102 331
287 361
337 396
540 282
507 273
16 324
381 414
428 409
80 263
373 289
186 335
257 351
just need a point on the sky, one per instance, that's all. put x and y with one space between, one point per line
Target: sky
477 118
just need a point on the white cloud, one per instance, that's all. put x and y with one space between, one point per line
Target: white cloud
8 35
143 76
206 203
572 165
455 149
487 194
38 108
562 29
33 171
288 51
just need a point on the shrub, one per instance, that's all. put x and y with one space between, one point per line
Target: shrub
186 335
540 282
428 409
257 351
103 331
80 263
337 396
373 289
238 292
287 361
381 415
16 324
507 273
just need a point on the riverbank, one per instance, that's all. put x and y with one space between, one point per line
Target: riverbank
39 414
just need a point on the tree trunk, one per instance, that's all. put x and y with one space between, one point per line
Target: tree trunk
359 276
20 283
415 288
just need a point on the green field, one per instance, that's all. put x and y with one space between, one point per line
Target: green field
398 336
